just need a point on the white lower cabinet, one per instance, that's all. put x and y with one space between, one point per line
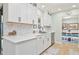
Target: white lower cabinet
28 48
45 45
21 48
46 42
34 46
43 42
39 45
49 39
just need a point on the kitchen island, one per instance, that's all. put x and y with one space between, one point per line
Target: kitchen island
32 44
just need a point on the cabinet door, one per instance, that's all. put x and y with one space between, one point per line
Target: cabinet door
48 42
40 45
27 48
45 42
30 13
42 20
13 12
49 20
46 19
35 16
49 39
24 13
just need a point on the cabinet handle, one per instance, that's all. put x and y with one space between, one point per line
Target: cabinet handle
43 42
39 37
19 19
48 39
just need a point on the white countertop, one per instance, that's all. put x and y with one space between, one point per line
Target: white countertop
21 38
16 39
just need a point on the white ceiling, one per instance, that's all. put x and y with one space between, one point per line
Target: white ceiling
53 7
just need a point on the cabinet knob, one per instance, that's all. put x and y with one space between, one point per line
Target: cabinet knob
43 42
48 39
39 37
19 19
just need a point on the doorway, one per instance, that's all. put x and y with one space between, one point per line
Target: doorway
70 29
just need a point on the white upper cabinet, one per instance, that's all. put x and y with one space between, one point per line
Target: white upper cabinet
35 16
46 19
22 12
32 14
26 13
13 12
30 10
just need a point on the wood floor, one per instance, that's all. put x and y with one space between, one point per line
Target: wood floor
62 49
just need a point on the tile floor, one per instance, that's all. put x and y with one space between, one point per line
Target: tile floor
63 49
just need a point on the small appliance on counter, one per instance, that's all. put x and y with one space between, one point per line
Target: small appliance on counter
12 33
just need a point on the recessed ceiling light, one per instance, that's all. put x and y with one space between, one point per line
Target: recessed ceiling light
59 9
43 6
67 17
73 6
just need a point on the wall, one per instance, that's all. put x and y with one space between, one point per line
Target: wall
57 22
5 17
22 29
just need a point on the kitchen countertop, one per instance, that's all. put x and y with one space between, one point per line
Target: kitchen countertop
22 38
18 39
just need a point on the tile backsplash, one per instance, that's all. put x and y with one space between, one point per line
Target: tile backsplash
21 29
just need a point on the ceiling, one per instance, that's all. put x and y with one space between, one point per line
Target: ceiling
56 7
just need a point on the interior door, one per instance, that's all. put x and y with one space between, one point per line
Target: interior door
70 30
